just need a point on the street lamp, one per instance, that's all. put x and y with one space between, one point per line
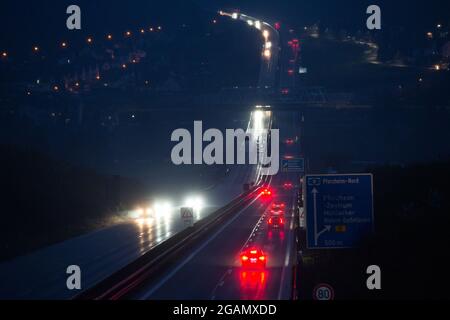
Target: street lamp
270 54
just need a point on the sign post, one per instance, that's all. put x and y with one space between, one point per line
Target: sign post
323 292
339 210
187 214
293 165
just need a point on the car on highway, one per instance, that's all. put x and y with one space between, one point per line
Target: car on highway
275 221
288 185
290 141
266 192
253 257
278 208
143 213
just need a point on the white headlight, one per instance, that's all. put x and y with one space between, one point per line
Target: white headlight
162 208
194 202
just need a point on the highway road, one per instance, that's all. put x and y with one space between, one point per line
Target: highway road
42 274
212 270
270 49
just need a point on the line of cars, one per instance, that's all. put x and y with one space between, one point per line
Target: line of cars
255 257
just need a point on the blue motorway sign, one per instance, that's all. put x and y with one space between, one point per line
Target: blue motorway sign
339 210
293 165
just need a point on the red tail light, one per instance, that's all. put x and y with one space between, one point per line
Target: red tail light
281 221
270 221
253 257
288 185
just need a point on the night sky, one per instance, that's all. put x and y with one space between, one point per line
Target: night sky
28 20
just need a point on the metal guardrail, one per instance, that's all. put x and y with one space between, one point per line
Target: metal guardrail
255 96
150 265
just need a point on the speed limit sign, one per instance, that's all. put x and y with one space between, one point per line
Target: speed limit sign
323 292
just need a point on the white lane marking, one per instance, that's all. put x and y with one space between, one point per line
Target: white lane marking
288 251
149 293
221 283
229 271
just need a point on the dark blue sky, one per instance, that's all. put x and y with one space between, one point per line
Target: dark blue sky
42 19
